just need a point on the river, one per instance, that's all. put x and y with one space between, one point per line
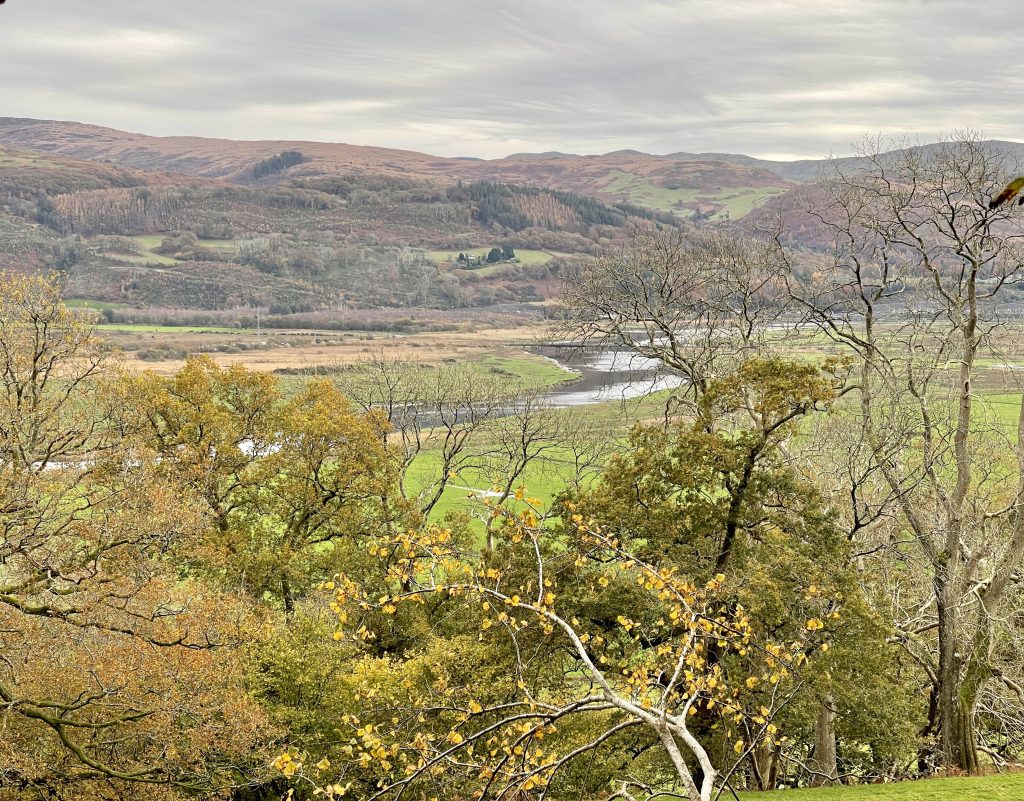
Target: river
605 375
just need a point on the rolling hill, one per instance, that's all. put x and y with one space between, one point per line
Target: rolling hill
320 228
684 184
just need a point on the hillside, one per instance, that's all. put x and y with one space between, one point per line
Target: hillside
322 228
287 233
703 186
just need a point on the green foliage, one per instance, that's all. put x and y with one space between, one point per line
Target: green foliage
291 484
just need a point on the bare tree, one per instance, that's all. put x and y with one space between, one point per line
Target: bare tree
697 303
472 424
444 410
912 293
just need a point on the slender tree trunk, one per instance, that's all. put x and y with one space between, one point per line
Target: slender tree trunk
926 752
824 764
286 596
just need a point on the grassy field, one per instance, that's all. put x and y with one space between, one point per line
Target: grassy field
987 788
544 479
527 257
516 368
738 201
143 258
1004 407
149 242
526 368
99 305
26 159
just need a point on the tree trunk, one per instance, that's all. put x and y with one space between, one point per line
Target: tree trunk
962 740
762 762
286 596
824 765
957 738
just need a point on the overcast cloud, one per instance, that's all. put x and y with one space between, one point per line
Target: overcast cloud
771 78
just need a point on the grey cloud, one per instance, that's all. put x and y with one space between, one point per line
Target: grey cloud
471 77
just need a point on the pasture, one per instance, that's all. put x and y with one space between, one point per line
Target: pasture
525 256
737 201
1008 787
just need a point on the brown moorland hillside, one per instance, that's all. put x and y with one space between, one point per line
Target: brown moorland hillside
665 183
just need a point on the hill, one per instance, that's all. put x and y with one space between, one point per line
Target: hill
704 187
324 228
243 225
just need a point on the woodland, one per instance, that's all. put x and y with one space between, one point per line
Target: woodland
802 567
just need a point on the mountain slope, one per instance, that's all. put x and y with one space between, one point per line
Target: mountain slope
701 187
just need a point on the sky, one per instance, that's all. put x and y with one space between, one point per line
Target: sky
769 78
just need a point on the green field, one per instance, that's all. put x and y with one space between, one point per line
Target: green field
1005 408
525 368
738 201
526 257
149 242
149 257
987 788
99 305
27 159
543 479
546 477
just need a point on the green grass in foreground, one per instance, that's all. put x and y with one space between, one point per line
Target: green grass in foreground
986 788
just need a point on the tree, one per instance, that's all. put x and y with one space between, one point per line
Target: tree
718 494
114 669
911 294
580 687
444 410
698 303
595 640
291 485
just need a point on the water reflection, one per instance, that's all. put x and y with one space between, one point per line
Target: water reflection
606 375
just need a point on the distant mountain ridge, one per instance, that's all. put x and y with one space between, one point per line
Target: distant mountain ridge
688 187
691 185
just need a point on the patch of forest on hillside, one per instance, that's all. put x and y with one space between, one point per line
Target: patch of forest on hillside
310 245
